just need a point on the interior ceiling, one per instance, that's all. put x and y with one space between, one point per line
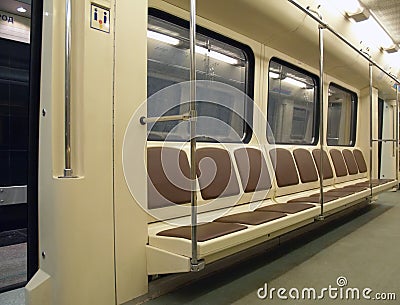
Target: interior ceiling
11 6
388 14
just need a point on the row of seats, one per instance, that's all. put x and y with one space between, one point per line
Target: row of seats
291 194
169 172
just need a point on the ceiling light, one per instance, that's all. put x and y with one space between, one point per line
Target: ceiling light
392 49
374 34
21 9
200 50
216 55
349 6
295 82
274 75
359 16
163 38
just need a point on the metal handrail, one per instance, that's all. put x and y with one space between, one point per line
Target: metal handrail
394 131
372 63
397 132
67 139
179 117
370 126
196 264
384 140
321 125
342 38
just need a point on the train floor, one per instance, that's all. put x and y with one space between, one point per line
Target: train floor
359 252
13 259
362 250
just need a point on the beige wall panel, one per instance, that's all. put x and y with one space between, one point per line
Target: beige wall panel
76 215
364 125
130 93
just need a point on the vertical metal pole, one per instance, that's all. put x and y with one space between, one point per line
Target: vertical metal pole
370 126
321 124
193 115
394 131
397 131
68 169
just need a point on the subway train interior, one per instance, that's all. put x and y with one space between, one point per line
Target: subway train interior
198 152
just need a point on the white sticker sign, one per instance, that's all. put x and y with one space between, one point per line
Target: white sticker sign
100 18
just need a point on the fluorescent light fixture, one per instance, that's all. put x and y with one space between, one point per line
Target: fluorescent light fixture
392 49
374 34
200 50
274 75
289 80
359 16
216 55
349 6
295 82
163 38
21 9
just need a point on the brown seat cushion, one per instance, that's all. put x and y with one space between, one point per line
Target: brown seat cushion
350 162
314 199
290 208
367 184
305 165
327 168
354 188
205 231
382 181
285 170
216 174
375 182
338 163
358 155
253 170
251 218
168 177
325 195
340 192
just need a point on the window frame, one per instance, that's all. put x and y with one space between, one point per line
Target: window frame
317 102
250 69
354 116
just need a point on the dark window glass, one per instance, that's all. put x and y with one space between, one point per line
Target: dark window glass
222 110
342 116
292 105
14 100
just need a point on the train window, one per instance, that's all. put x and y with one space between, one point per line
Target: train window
224 111
292 105
342 116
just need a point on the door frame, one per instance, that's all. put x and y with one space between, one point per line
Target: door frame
33 146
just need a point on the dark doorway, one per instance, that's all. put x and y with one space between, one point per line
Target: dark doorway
20 49
380 130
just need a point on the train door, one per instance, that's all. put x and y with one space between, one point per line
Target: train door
33 145
388 166
19 85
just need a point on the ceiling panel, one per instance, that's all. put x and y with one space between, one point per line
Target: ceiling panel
388 13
